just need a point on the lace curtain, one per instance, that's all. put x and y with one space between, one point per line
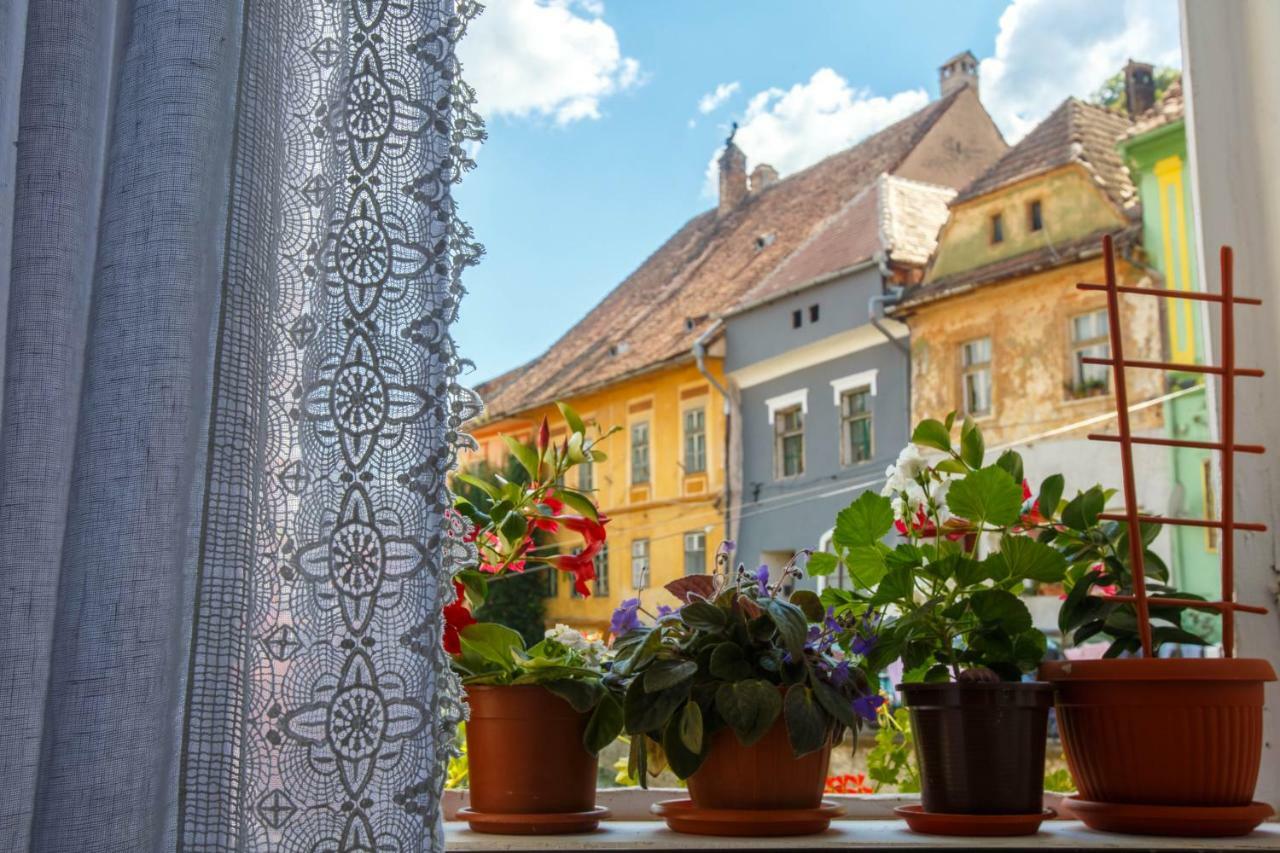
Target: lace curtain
229 260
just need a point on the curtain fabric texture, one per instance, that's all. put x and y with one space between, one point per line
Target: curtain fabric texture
229 260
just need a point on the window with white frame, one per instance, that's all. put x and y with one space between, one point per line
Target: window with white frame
639 453
975 376
639 564
695 440
788 442
855 426
1089 339
601 563
695 553
586 477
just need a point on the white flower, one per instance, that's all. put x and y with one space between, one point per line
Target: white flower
940 500
910 463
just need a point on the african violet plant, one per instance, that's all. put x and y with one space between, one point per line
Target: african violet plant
956 612
501 520
738 652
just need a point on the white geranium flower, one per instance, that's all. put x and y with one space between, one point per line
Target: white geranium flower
910 463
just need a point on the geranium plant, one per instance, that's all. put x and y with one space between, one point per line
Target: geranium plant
738 653
502 519
955 610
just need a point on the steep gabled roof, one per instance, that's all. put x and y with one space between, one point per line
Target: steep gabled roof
1075 132
653 317
893 215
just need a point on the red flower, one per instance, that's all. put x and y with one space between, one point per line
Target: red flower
582 564
849 783
1031 517
553 503
456 617
542 522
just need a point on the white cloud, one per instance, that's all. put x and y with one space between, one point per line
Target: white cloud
1047 50
545 58
711 101
793 128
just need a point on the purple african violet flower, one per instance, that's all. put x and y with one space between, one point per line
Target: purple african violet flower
625 618
664 610
865 706
762 578
862 645
726 547
840 674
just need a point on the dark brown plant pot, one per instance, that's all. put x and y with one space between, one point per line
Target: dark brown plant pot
1162 732
525 754
763 776
980 746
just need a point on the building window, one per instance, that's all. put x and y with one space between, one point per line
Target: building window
639 564
1089 339
1210 505
1035 216
639 453
975 376
586 477
552 587
813 313
788 448
601 563
695 553
797 319
997 228
855 426
695 440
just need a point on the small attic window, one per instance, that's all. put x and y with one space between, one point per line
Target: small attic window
997 228
1035 216
620 348
764 241
813 313
797 319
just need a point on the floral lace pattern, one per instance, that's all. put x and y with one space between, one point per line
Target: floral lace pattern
320 707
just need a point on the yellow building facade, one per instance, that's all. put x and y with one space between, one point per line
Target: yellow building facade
661 485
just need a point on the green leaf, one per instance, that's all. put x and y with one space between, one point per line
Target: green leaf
513 526
806 725
821 564
683 760
728 663
605 724
571 417
578 501
898 584
932 433
491 642
483 485
1082 511
807 601
749 707
839 707
867 565
1011 462
972 447
525 455
998 607
582 695
864 522
1023 558
691 727
649 712
703 615
790 621
1050 495
952 466
668 673
987 496
969 571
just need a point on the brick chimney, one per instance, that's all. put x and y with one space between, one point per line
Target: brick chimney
957 72
733 174
762 176
1139 88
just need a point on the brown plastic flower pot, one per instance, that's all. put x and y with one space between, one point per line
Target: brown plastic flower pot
980 746
763 776
1162 732
525 757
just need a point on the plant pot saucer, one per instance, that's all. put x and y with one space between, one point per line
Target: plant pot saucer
683 816
1183 821
551 823
972 825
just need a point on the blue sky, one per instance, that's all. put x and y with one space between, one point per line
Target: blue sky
598 150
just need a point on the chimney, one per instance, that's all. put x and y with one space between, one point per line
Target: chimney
762 176
733 174
1139 88
957 72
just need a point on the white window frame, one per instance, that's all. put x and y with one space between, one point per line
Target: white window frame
648 452
799 397
639 564
695 535
779 444
685 435
865 378
846 422
988 367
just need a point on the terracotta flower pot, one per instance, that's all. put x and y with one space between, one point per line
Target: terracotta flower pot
763 776
525 753
1178 731
980 746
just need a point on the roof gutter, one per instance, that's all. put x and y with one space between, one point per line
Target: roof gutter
732 471
878 301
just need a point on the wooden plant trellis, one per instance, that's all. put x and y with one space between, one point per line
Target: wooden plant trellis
1227 446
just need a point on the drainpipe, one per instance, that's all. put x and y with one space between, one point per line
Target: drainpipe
730 409
875 311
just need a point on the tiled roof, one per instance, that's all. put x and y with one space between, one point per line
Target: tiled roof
653 317
1075 132
1043 258
1167 110
895 215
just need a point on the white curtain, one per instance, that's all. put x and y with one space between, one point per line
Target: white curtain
229 260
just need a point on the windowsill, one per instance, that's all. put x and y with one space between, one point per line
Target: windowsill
868 824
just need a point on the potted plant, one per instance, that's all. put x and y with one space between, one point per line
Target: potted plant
1157 745
950 594
539 715
743 691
